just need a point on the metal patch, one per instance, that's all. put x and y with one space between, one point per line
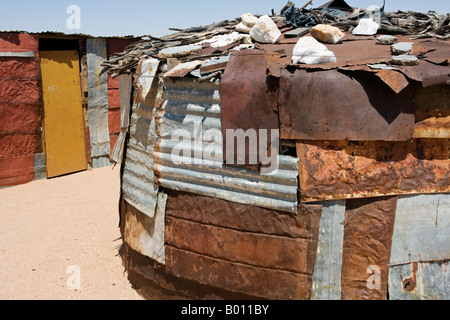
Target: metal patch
97 111
331 105
420 281
422 229
138 182
249 100
346 169
369 225
326 281
145 234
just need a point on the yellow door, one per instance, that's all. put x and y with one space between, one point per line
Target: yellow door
63 114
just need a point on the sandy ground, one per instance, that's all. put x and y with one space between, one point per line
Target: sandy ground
60 239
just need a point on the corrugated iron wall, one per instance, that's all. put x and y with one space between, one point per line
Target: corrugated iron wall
375 188
21 158
193 109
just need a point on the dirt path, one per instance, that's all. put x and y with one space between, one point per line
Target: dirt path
60 239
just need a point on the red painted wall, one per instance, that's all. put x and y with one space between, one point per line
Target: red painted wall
20 106
114 46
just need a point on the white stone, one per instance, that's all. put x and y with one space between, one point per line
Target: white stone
265 30
387 40
326 33
243 28
366 27
249 20
405 60
402 48
310 51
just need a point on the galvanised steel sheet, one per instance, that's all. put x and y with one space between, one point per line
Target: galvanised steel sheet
326 280
422 229
97 110
192 110
138 183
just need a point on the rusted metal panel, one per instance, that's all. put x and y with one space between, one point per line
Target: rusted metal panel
19 42
235 240
343 169
261 250
97 111
369 225
138 183
422 229
19 68
249 99
232 215
433 128
145 234
429 74
326 280
20 91
16 170
331 105
433 101
192 111
420 281
261 282
153 282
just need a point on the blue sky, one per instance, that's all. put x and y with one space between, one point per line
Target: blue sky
139 17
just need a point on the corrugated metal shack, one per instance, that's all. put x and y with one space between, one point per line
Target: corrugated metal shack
359 207
58 113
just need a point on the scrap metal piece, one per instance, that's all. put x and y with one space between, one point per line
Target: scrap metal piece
369 225
355 106
349 169
249 100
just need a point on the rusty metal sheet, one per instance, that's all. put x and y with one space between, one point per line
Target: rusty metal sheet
154 283
236 241
19 42
256 249
433 101
344 169
394 79
264 283
369 225
326 281
422 229
420 281
437 52
433 128
427 73
146 234
249 100
232 215
331 105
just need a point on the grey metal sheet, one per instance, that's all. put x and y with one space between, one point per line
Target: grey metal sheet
138 185
145 234
422 229
193 108
420 281
27 54
326 280
97 113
